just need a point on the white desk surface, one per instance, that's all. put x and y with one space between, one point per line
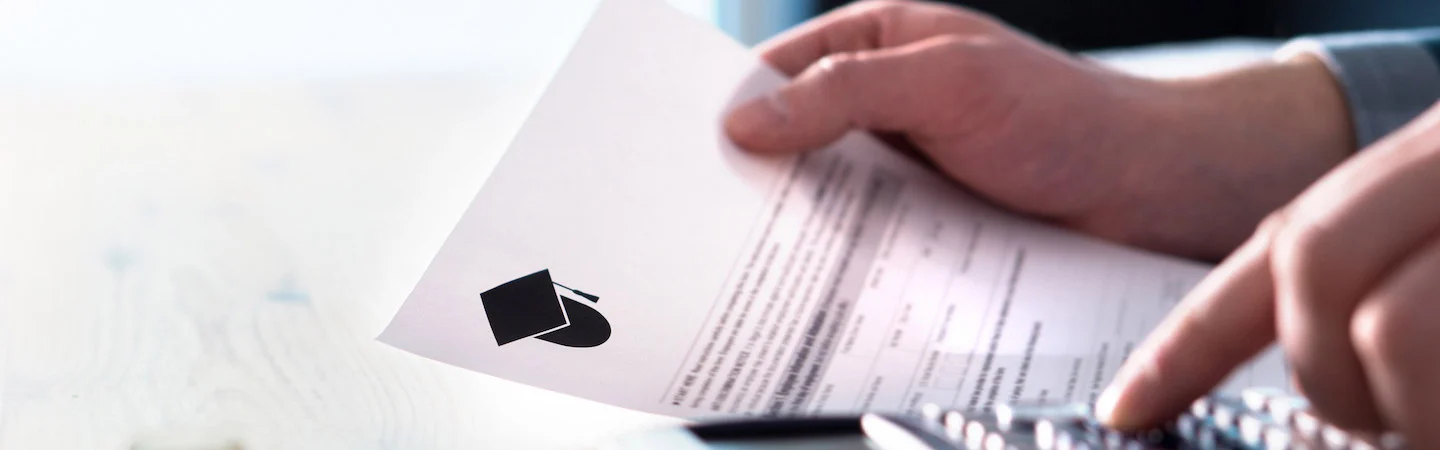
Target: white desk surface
208 209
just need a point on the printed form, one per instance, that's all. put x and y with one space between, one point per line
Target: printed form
625 252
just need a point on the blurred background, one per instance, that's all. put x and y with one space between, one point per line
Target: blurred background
1094 24
49 41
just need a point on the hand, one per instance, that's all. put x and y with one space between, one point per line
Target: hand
1182 166
1346 277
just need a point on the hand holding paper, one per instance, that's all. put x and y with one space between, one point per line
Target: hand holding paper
1184 166
841 279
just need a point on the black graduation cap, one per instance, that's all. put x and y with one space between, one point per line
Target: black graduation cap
529 306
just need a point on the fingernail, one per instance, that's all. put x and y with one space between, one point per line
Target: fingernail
1105 406
761 113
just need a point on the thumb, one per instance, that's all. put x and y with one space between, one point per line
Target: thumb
874 89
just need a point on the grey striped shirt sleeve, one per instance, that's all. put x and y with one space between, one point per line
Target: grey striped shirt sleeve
1389 77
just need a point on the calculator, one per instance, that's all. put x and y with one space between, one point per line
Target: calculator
1258 419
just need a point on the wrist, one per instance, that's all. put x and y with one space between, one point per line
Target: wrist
1293 102
1209 157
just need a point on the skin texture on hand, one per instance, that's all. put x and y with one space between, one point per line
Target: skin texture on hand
1347 279
1181 166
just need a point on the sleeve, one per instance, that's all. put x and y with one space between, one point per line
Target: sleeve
1389 77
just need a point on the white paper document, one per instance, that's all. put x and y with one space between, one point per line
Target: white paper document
624 251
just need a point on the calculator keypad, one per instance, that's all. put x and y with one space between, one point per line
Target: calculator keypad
1259 419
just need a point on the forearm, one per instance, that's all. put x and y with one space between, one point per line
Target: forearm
1240 143
1233 146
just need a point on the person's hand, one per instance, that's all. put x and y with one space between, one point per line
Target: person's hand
1183 166
1346 278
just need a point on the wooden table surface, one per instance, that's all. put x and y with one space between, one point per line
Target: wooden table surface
208 209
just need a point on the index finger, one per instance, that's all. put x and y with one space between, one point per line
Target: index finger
848 29
1226 320
866 25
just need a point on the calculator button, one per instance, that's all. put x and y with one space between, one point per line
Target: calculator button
954 423
1187 426
1113 439
975 428
1065 441
975 434
1045 434
1362 444
994 441
1024 416
1205 439
1277 438
1252 429
1283 409
930 412
1380 441
1334 438
1072 441
1226 412
1258 399
1306 425
1201 407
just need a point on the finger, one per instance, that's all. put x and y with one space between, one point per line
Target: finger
1318 347
877 89
1227 319
1343 235
1396 331
863 26
852 28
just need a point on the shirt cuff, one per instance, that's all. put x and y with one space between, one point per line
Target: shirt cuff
1389 77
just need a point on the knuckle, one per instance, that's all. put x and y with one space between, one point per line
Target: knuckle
1272 223
1386 334
1299 246
837 71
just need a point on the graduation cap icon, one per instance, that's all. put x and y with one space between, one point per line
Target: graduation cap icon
531 306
